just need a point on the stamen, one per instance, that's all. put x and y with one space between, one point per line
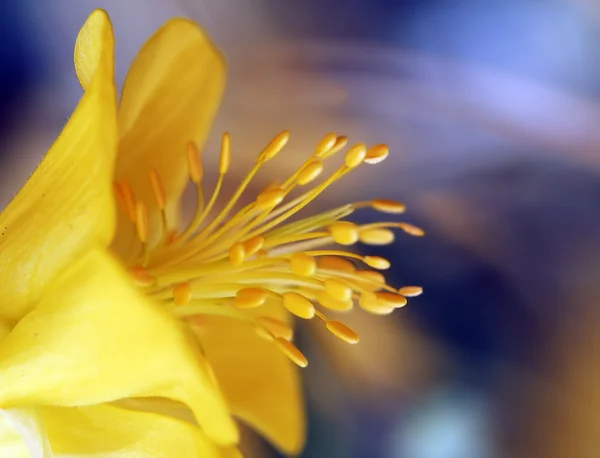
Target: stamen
129 199
376 262
335 263
339 144
333 304
157 188
253 245
303 264
326 144
225 159
277 327
290 350
182 294
355 155
194 163
248 298
376 236
377 154
411 229
388 206
237 254
344 233
308 173
141 225
410 291
240 261
368 302
269 199
275 146
337 289
298 305
396 300
343 332
141 277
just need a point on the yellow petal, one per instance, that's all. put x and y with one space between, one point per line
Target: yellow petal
111 432
94 338
170 97
21 434
67 204
259 382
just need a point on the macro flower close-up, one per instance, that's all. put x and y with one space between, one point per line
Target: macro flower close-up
134 325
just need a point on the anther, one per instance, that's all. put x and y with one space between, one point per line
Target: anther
237 255
343 332
157 188
275 146
369 303
303 264
194 164
276 327
373 278
248 298
253 245
333 304
141 221
376 236
311 171
377 154
344 232
325 144
355 155
339 144
182 293
411 291
225 159
298 305
141 277
337 289
388 206
411 229
129 199
269 199
376 262
396 300
335 263
290 350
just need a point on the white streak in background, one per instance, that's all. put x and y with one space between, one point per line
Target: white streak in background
438 116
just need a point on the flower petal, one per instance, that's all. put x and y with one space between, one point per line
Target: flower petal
67 204
170 97
111 432
94 338
19 435
260 383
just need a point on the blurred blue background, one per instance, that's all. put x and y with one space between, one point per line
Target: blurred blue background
491 110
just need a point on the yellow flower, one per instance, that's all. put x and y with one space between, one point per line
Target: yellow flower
122 329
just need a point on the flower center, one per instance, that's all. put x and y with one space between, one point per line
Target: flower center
242 257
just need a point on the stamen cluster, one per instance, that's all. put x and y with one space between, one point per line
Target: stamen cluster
247 256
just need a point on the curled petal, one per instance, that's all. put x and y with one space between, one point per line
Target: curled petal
94 338
67 205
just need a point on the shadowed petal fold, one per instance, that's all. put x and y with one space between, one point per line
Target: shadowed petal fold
94 338
67 205
260 383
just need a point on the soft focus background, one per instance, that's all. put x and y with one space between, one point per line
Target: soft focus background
491 111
